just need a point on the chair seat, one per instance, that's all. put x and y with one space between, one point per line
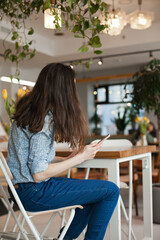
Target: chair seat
53 210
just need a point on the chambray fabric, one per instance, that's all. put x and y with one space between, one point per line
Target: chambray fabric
29 153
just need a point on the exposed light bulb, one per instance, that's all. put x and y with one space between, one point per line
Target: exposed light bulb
100 62
71 65
150 55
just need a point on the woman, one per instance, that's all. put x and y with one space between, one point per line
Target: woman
151 134
51 111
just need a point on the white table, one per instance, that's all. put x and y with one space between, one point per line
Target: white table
110 159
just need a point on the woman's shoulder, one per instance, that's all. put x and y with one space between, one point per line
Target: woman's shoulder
48 124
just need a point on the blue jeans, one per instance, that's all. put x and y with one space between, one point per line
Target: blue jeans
98 197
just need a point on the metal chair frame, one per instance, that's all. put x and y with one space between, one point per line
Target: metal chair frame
27 216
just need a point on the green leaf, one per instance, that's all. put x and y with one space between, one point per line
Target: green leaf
30 43
16 45
76 28
93 7
33 53
83 48
7 105
22 55
31 31
68 9
17 73
6 53
77 36
86 24
17 24
12 58
46 4
14 36
91 61
70 3
71 17
66 24
97 52
95 42
11 77
87 65
26 47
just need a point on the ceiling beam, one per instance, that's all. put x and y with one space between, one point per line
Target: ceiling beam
111 77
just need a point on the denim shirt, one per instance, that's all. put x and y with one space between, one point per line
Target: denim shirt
30 153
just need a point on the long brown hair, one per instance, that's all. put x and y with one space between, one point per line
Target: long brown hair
54 91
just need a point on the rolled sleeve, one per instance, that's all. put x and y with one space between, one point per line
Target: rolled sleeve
38 152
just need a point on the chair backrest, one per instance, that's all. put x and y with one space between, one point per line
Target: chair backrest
8 176
115 143
62 146
6 165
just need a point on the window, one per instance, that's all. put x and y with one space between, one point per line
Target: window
109 99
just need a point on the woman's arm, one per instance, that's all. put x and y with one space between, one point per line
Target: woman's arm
84 153
60 159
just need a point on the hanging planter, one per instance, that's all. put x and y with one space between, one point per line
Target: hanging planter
78 16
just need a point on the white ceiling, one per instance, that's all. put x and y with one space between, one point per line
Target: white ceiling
64 48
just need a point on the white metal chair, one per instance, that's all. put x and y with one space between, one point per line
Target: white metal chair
26 216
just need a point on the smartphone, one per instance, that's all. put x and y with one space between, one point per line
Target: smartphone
105 138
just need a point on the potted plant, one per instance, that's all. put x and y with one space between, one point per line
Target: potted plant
10 104
95 119
121 121
132 114
146 89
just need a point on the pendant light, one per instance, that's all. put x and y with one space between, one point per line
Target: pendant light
49 18
116 21
140 19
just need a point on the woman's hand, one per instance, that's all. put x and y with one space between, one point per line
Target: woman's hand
88 152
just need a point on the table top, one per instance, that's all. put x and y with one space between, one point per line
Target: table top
117 152
110 152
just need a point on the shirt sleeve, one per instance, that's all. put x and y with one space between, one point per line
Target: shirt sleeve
38 152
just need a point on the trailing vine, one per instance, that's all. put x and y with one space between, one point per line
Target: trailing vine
81 17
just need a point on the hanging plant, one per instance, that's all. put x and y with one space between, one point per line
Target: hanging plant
146 89
78 16
16 12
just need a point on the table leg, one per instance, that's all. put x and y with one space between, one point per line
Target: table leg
130 200
115 222
147 197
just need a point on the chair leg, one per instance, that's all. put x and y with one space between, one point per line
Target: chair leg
126 217
67 225
135 201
